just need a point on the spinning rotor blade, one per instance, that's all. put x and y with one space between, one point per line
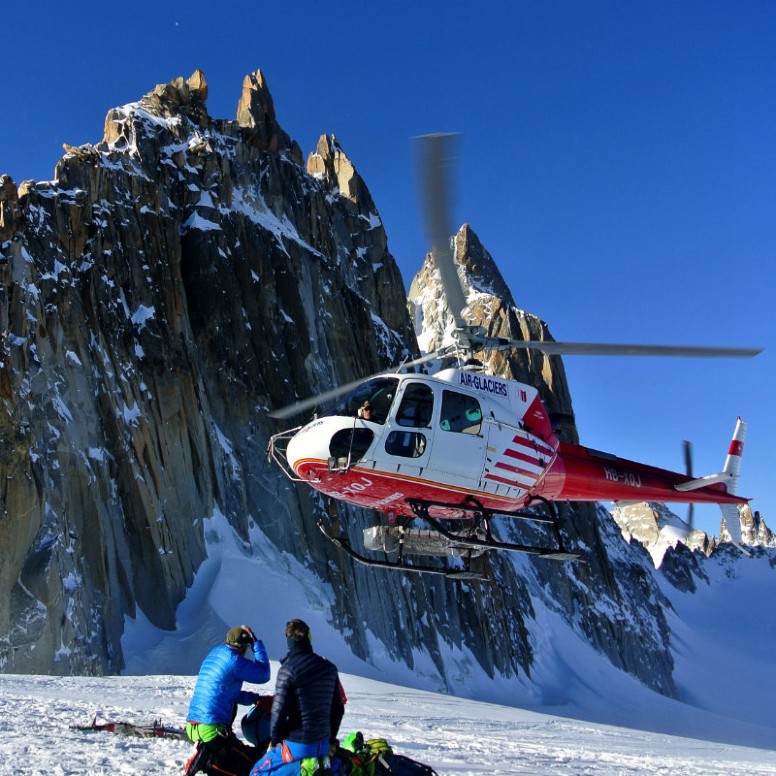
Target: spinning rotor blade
436 161
436 152
552 348
341 390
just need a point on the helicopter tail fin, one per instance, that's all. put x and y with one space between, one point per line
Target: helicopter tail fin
732 470
732 466
729 477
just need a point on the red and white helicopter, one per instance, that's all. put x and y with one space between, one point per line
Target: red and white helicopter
442 454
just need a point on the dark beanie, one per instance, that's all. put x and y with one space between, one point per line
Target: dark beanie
237 637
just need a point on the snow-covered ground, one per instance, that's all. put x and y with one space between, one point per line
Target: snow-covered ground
454 735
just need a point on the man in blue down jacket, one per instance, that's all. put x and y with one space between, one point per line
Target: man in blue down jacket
307 709
214 704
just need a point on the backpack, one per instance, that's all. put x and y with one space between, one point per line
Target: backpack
374 757
255 725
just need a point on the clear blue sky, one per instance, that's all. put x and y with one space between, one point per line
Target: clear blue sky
618 159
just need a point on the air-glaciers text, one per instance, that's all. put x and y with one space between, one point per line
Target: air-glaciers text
483 383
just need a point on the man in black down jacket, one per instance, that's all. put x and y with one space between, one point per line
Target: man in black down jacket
308 706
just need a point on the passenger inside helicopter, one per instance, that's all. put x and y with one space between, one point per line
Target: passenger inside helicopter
460 413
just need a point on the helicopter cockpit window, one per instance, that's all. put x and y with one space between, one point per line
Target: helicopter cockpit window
371 400
416 406
460 413
350 444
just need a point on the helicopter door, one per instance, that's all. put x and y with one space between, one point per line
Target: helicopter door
459 439
408 436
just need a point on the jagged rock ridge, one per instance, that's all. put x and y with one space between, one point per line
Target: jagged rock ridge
659 530
168 287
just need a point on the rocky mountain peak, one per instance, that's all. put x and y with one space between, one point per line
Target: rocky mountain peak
660 530
180 96
479 268
657 528
143 293
754 529
256 114
330 164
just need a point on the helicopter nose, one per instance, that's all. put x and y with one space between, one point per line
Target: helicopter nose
328 444
302 446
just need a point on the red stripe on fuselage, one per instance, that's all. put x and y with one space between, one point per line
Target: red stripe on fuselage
511 483
533 444
523 457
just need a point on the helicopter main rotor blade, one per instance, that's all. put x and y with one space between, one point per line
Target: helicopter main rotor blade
312 401
321 398
552 348
436 161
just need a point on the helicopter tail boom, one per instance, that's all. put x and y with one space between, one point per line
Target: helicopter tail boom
584 474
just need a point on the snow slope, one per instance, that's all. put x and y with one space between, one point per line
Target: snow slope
454 735
722 645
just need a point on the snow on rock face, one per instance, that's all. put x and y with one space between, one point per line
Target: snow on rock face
659 530
170 285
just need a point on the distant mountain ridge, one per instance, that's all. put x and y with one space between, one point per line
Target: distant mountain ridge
658 529
169 287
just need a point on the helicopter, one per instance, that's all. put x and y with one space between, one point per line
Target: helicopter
442 454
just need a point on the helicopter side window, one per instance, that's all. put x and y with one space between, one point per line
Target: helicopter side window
416 406
408 444
460 413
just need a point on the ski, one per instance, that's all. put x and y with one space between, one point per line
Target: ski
154 730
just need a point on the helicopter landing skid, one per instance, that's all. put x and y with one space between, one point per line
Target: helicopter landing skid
463 574
489 542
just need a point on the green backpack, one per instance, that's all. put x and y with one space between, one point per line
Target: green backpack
367 757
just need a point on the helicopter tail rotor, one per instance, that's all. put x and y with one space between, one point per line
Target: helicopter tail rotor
687 448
